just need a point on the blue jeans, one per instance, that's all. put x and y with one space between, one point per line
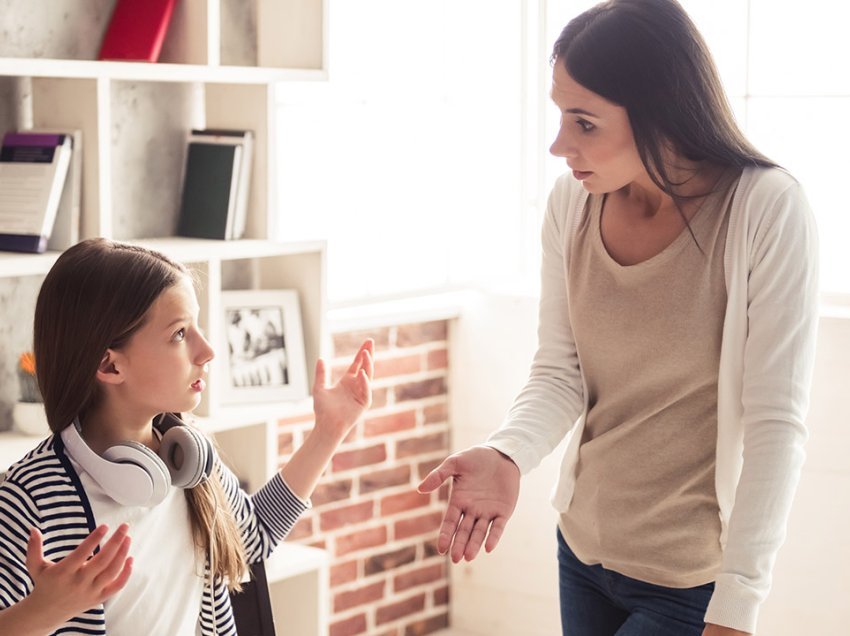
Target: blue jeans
600 602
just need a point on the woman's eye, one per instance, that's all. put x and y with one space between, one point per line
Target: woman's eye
180 335
585 125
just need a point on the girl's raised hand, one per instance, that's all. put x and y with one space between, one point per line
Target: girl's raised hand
339 406
80 581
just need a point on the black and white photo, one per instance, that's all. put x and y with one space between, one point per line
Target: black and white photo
264 346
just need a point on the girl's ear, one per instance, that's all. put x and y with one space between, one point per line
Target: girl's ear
108 371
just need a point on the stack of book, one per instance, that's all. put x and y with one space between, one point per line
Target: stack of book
216 184
40 190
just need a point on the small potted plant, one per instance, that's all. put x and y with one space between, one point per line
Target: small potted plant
28 413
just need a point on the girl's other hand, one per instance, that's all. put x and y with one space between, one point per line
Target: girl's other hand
338 407
80 581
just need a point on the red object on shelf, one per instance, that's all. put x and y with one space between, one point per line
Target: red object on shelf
136 30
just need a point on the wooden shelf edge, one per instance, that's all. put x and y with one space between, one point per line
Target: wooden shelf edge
291 559
153 72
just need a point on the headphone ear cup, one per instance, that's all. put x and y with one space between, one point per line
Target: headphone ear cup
197 456
140 455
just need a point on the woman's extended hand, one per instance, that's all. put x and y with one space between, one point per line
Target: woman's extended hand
80 581
338 407
485 487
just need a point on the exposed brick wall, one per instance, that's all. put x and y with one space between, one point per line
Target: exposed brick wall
386 577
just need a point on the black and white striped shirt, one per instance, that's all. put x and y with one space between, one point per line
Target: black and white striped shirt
43 490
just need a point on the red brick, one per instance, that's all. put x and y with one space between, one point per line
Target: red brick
359 596
420 390
360 540
343 572
426 467
284 444
422 444
392 504
400 609
349 627
436 413
389 423
422 524
395 631
389 560
438 359
418 577
403 365
441 595
346 344
420 333
321 544
331 491
340 517
359 457
388 478
429 547
427 625
302 529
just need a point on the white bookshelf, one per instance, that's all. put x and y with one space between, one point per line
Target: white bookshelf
146 72
134 118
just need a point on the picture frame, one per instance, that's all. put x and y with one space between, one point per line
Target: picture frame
263 343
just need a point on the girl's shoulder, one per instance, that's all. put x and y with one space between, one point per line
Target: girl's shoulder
45 458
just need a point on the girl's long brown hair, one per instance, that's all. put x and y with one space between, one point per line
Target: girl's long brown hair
95 297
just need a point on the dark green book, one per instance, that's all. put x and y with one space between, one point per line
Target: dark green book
209 190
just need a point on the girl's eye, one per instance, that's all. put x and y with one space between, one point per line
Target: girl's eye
585 125
180 335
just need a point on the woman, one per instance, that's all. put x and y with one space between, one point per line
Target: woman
676 343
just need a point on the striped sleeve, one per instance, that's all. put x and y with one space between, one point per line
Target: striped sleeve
264 518
18 513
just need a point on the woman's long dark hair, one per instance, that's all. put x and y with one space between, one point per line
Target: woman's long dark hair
648 57
94 298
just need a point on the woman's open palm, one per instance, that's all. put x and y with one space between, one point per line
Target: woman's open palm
485 488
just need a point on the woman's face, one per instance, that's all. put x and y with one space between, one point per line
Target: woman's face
163 362
595 137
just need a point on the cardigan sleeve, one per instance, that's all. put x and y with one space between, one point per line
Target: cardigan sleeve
552 399
265 517
782 301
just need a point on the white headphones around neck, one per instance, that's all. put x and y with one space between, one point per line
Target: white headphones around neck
134 475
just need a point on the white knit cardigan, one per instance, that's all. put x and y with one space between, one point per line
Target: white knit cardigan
766 362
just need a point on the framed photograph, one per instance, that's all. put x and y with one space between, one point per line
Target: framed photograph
264 347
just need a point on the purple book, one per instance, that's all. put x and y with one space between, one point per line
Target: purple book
33 167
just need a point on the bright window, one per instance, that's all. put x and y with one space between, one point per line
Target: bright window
424 159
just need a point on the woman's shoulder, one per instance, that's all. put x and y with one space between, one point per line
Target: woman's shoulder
566 200
767 183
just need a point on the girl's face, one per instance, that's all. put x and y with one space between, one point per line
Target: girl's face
595 137
162 365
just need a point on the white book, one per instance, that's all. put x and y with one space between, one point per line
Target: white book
33 167
66 227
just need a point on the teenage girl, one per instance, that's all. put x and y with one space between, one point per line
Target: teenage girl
119 355
678 313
